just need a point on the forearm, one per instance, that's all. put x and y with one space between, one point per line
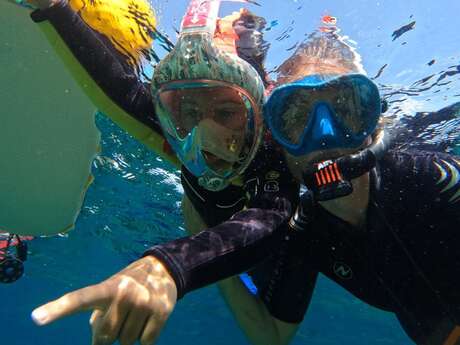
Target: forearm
224 250
250 312
106 66
260 327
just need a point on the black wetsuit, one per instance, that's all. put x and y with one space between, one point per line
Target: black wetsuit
405 260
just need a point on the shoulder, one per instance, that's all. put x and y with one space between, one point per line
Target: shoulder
422 174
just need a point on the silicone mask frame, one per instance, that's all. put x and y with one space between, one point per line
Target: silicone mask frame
324 128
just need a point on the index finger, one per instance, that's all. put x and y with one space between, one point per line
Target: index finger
91 297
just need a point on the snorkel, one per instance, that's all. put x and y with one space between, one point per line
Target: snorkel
331 179
202 61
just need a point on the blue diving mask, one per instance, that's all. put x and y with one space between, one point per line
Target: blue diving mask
322 113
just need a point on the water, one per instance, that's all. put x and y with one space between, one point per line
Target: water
135 197
133 201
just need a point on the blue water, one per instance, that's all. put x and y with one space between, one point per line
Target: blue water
134 200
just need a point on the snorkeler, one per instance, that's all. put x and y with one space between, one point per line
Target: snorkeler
208 167
380 222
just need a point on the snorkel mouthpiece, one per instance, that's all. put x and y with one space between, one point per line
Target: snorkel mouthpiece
331 179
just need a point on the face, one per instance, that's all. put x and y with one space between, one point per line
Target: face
219 116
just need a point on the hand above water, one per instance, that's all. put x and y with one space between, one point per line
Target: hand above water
132 305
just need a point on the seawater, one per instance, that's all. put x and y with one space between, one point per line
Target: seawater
134 201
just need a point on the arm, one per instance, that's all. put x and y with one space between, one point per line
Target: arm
136 302
253 317
106 65
250 311
106 73
273 315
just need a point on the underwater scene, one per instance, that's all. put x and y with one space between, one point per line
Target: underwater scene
95 163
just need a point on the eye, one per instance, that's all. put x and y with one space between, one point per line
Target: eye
190 111
232 116
225 114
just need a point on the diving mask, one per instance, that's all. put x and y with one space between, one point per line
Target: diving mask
323 112
209 100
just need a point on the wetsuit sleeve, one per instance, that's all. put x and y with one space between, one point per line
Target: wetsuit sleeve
224 250
109 69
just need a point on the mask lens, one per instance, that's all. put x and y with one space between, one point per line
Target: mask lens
296 111
356 104
186 107
216 122
354 101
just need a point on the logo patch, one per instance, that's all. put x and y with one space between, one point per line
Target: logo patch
324 164
271 186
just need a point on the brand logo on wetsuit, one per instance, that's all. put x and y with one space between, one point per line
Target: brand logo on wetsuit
271 186
449 179
272 175
343 271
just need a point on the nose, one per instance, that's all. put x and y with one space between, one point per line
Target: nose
323 126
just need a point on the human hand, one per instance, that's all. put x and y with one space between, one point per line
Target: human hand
132 305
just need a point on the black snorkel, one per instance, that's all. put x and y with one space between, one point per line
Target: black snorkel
331 179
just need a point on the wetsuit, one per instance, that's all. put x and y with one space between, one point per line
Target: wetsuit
406 259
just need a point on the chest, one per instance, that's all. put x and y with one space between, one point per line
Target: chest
345 255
